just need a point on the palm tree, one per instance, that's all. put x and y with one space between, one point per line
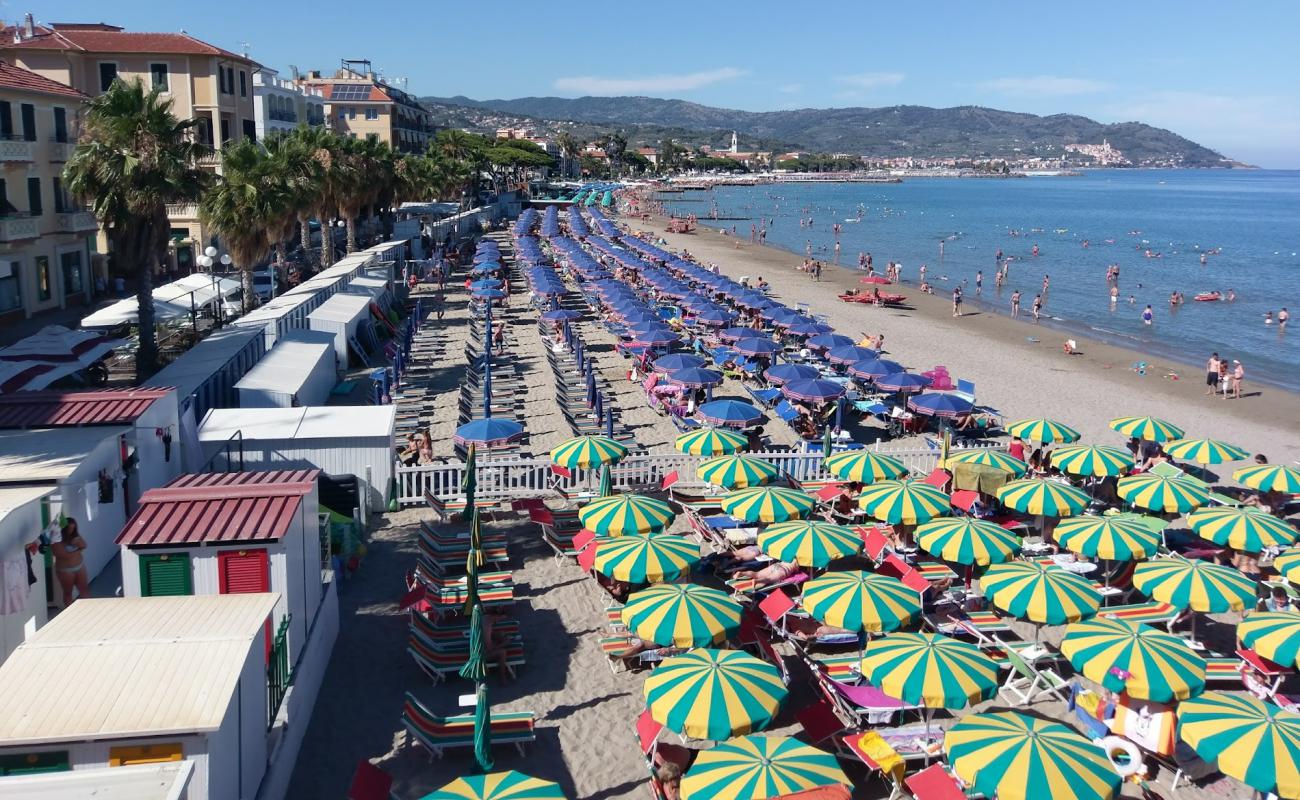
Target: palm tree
326 177
568 151
134 158
615 147
245 208
361 171
290 165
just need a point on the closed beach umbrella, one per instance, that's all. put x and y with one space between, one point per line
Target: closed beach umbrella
872 368
625 514
782 373
940 405
926 669
760 766
849 354
904 502
736 472
864 466
682 615
710 442
861 601
498 786
1041 593
1275 635
675 361
1136 659
1158 493
714 694
902 382
652 558
1039 496
1197 585
964 540
588 451
1250 740
1107 537
1091 460
696 377
1148 429
730 413
987 457
1046 431
768 504
1015 756
1204 451
756 346
815 390
809 544
1269 478
1241 528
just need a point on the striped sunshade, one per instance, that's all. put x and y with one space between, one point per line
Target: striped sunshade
587 452
625 514
682 614
1042 593
710 442
864 466
964 540
646 559
1204 451
989 458
1091 460
736 472
498 786
861 601
904 502
1107 537
1287 564
1241 528
1269 478
759 766
1158 493
1250 740
1134 658
1275 635
1047 431
1041 496
768 504
714 694
1197 585
1150 429
930 670
809 544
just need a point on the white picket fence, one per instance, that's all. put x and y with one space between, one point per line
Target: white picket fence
516 478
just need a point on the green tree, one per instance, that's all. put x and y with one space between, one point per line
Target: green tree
134 158
292 166
615 149
569 150
246 208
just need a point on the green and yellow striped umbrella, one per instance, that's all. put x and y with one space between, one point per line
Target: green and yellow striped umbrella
1269 478
759 766
1111 538
1241 528
904 502
1197 585
861 601
1014 756
498 786
586 452
714 694
625 514
1158 493
1041 496
1148 429
1275 635
930 670
1042 593
768 504
809 544
1288 564
1134 658
736 472
682 614
988 458
964 540
1046 431
1204 451
710 442
1091 460
649 558
864 466
1250 740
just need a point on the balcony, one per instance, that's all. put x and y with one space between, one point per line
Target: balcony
182 210
61 151
78 221
15 150
16 229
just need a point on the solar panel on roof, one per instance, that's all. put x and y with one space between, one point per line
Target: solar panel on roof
350 91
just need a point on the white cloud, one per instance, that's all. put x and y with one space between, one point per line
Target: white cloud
871 80
790 88
648 84
1043 86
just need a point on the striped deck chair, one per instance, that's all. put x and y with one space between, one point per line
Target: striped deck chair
455 630
1150 612
437 663
437 733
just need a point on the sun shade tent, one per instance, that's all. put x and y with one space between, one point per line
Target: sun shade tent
170 301
342 315
292 374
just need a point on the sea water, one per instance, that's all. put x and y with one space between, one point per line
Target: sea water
1154 224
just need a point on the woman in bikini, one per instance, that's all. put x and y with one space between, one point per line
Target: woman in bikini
70 562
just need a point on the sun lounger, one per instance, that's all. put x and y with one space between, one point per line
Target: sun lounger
1150 612
910 742
443 733
748 588
984 623
1028 681
438 663
454 630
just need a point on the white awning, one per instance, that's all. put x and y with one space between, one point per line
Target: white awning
170 301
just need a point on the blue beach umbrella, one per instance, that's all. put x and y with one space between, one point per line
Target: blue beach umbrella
808 329
730 413
609 420
849 354
489 431
783 373
696 376
814 390
734 334
755 346
488 294
829 341
872 368
903 382
485 283
678 361
940 405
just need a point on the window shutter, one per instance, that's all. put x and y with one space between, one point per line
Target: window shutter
27 763
144 754
244 571
165 575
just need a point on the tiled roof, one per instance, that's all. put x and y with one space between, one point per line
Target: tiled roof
106 40
219 508
63 409
12 77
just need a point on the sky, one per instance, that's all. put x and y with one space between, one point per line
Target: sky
1228 79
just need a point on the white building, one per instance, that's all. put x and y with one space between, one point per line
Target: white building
282 105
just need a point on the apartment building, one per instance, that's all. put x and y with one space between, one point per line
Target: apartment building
360 104
203 81
45 238
283 104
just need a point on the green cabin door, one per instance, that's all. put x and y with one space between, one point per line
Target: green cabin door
165 575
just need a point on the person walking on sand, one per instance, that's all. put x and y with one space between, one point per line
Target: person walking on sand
956 301
1038 306
1147 315
1211 374
817 270
1015 304
1238 373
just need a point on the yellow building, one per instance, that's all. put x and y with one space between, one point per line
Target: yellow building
44 237
203 81
361 105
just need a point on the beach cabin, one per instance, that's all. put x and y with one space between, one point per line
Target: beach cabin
205 375
25 512
375 287
119 682
84 468
314 337
338 440
164 780
291 374
347 317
